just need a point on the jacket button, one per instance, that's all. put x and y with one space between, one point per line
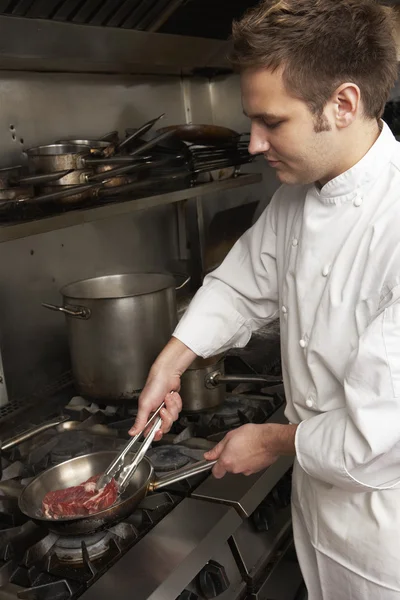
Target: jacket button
326 271
284 310
357 201
295 242
309 403
303 343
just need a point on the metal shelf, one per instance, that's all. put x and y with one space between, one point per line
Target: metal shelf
78 217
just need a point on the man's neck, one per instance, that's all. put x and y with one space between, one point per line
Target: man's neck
360 142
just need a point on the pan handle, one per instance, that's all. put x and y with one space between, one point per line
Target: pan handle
195 469
49 177
30 433
143 129
156 140
212 380
79 312
113 160
182 285
112 136
76 189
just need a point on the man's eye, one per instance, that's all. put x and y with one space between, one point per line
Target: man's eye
272 125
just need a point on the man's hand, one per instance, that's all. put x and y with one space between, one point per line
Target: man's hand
164 378
251 448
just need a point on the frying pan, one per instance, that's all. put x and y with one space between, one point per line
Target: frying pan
65 157
75 471
102 185
207 135
15 197
96 147
68 157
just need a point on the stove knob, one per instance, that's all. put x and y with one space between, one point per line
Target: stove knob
263 518
212 580
187 595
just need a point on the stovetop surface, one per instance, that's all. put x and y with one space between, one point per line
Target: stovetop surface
38 565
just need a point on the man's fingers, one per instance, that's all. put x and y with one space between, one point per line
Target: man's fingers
167 420
141 419
173 405
215 452
218 471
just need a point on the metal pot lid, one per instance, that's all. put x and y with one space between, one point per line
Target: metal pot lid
118 286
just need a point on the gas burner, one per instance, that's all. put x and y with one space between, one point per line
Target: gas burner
68 549
168 458
69 446
231 406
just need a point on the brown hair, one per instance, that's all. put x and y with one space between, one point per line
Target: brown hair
321 44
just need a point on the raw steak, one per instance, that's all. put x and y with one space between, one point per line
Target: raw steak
80 500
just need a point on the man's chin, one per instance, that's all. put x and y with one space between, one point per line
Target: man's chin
285 177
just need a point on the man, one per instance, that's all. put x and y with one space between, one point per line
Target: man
325 257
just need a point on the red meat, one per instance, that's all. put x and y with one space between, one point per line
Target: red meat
80 500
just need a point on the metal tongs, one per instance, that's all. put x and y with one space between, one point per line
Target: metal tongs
123 473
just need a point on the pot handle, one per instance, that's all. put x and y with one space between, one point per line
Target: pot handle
180 474
79 312
30 433
182 285
212 380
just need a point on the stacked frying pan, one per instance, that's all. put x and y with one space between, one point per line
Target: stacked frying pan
80 172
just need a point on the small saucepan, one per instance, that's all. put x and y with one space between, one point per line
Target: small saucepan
203 385
75 471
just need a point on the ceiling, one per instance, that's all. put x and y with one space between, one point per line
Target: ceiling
199 18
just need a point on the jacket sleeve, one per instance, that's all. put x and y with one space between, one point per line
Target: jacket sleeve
238 297
358 447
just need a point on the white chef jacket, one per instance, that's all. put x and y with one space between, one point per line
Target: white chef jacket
327 261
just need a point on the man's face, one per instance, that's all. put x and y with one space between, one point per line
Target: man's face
284 130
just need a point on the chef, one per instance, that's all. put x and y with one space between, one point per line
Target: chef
324 257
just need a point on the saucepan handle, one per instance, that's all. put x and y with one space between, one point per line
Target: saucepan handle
182 285
30 433
79 312
195 469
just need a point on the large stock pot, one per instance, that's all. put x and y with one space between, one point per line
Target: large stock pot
117 325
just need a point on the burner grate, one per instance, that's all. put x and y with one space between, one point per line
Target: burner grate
18 405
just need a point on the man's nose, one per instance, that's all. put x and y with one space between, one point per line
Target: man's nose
259 143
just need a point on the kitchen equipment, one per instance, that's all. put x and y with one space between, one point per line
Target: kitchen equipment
119 462
109 144
203 385
61 157
140 131
129 470
194 393
199 516
73 472
117 325
101 147
95 147
15 197
10 176
208 135
26 435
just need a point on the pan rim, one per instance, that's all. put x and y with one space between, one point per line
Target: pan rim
67 291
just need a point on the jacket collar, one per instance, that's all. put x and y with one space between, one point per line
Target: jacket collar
345 186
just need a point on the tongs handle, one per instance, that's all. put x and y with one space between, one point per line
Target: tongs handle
118 462
127 473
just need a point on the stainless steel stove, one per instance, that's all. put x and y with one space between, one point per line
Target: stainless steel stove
200 538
